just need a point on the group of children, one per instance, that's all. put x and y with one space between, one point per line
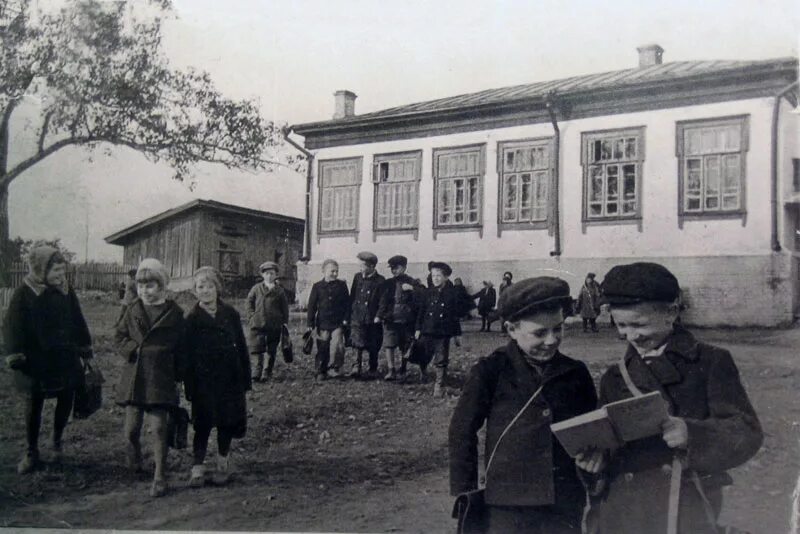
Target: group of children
670 482
385 314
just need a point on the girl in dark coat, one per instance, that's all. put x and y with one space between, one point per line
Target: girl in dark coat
149 338
46 337
217 374
487 298
532 485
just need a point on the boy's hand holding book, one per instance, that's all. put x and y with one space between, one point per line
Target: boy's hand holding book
676 433
591 460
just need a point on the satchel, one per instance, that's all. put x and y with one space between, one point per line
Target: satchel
177 428
308 342
417 354
286 345
89 396
470 511
470 507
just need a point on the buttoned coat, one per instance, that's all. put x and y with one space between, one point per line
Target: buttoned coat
153 356
530 468
402 310
701 383
439 310
328 305
49 328
266 309
217 368
365 298
487 299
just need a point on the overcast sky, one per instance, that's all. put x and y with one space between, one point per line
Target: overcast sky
292 55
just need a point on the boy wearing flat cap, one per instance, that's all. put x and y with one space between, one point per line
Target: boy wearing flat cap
267 311
437 322
365 333
397 310
711 427
518 391
328 310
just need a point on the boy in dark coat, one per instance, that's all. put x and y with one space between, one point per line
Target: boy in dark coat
531 482
711 428
397 310
365 332
217 374
150 340
487 298
589 303
328 308
437 322
267 311
46 338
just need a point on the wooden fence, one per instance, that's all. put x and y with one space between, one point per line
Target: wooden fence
91 275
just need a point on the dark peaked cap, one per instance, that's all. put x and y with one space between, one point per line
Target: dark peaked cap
532 294
398 260
446 269
639 282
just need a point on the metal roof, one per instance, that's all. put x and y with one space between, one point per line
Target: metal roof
115 238
666 72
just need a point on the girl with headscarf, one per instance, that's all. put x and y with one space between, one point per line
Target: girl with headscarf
46 338
217 374
150 338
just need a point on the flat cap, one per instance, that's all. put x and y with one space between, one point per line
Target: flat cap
267 265
531 295
368 257
639 282
442 266
394 261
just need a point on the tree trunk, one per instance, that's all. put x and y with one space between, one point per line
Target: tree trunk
5 249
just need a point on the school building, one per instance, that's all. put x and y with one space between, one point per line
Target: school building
692 164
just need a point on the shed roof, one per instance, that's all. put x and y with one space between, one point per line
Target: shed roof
117 238
654 75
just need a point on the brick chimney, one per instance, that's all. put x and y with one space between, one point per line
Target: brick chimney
650 55
344 104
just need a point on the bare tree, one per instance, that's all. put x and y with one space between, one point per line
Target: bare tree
100 76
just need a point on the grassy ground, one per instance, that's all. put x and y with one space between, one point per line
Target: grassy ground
343 455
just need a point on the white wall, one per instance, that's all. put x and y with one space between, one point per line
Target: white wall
660 235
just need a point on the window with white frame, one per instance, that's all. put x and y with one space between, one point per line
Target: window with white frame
524 180
458 178
612 164
712 165
396 178
339 184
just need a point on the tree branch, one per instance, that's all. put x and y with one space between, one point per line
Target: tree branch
5 133
43 131
23 166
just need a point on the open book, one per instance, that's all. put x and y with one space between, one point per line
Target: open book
613 425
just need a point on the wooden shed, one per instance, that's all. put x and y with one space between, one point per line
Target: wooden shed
233 239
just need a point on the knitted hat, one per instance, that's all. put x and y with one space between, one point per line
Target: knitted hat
150 269
639 282
40 260
211 274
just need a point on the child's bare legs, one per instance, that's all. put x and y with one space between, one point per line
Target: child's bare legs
390 364
133 431
157 420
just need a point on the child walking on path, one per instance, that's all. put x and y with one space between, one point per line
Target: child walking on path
397 310
589 303
217 375
328 307
46 338
365 332
487 298
150 338
267 311
437 322
711 427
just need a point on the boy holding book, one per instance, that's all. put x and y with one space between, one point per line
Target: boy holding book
711 425
518 391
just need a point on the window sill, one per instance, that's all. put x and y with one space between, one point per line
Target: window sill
344 233
457 229
712 216
534 225
396 231
612 221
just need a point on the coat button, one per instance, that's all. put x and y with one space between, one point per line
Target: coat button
546 412
628 477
